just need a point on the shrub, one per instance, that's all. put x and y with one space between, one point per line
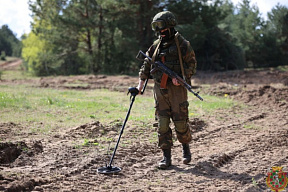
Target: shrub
3 56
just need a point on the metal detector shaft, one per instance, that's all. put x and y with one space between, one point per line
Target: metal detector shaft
144 87
122 129
133 95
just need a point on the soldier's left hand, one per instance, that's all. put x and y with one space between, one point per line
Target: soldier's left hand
175 82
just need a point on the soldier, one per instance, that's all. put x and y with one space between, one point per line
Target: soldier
170 98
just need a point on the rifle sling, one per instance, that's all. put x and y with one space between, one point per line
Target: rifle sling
155 51
179 54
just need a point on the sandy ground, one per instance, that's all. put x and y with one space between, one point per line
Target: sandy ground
232 149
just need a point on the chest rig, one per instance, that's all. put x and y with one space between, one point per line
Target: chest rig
169 54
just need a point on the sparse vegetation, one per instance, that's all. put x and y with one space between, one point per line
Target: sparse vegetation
3 56
71 107
251 126
211 103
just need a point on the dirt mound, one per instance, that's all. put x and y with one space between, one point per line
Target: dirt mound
15 154
89 130
255 77
265 94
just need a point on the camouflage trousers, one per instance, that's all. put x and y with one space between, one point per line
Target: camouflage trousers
171 103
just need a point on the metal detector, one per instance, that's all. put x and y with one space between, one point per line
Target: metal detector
109 169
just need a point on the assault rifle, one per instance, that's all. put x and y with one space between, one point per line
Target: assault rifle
160 66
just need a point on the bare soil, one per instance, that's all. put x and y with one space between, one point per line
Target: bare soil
11 65
232 149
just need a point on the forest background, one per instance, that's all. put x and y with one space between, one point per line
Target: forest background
103 36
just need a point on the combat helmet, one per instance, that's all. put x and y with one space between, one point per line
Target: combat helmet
163 20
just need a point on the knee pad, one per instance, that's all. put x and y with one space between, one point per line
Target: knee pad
163 124
180 126
183 132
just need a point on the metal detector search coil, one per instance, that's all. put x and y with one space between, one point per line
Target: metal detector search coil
108 170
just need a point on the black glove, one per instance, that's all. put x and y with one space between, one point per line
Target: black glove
133 91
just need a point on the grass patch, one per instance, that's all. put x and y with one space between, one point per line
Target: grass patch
251 126
66 108
45 110
8 59
77 85
209 105
16 75
282 68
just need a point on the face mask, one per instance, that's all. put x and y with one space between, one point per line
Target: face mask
168 34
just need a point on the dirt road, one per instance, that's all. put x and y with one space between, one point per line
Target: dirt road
11 65
232 149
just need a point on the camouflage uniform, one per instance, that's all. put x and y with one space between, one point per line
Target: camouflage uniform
171 102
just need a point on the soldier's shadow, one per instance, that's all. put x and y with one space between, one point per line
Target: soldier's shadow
207 170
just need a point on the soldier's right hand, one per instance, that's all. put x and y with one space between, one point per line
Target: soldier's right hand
175 82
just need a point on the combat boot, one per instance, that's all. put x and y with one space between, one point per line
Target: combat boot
186 153
166 161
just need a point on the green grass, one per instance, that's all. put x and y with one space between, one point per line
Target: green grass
209 105
8 59
16 74
64 108
44 110
282 68
251 126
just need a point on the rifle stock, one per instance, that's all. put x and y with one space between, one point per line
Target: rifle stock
160 66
